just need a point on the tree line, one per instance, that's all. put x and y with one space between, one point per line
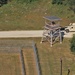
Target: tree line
70 3
2 2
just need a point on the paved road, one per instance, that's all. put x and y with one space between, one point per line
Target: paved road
25 34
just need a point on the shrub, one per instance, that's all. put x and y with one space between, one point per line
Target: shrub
57 1
72 45
26 1
54 1
3 2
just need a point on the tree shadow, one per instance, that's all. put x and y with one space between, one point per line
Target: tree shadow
68 72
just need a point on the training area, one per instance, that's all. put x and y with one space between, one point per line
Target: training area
37 37
18 57
24 57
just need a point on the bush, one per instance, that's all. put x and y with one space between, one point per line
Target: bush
72 45
57 2
71 5
26 1
54 1
2 2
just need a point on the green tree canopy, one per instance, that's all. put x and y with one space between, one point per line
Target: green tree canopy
57 1
3 2
71 4
27 1
72 45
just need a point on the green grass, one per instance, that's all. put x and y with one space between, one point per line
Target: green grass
17 16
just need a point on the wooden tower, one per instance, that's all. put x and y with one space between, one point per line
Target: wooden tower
51 30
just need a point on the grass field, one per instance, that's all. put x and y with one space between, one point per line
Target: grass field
49 57
17 16
9 64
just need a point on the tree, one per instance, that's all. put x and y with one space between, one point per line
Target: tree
71 2
54 1
71 5
72 45
3 2
57 1
26 1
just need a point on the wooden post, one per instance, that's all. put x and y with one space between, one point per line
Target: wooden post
61 67
51 39
60 36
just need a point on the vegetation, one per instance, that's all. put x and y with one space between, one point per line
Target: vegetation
57 1
72 5
73 44
29 16
26 1
3 2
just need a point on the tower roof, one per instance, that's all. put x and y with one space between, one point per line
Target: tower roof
52 18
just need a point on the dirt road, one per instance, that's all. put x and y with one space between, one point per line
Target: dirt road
20 34
28 33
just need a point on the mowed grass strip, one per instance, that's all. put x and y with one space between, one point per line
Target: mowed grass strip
30 62
9 64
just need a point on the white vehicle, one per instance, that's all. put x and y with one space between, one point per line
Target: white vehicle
71 27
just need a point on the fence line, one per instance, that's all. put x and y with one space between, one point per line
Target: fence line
18 49
22 62
9 49
36 58
15 50
15 43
